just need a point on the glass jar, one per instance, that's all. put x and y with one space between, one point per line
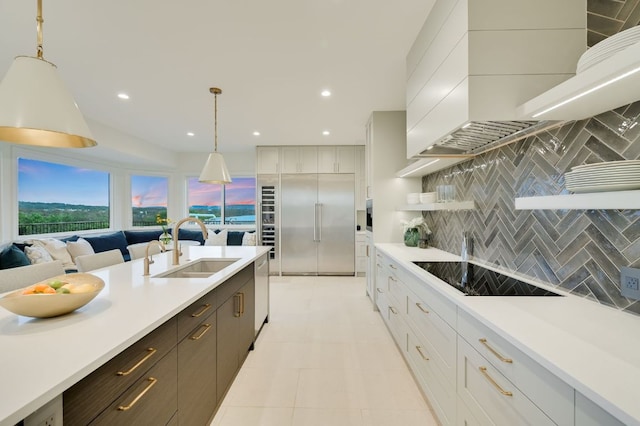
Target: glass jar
411 237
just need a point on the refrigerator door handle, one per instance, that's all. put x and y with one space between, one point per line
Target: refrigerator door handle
259 230
319 221
315 222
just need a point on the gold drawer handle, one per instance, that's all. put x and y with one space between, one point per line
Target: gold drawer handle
204 309
205 328
378 290
393 279
483 370
132 369
419 348
419 305
236 305
152 382
394 310
241 304
392 266
493 351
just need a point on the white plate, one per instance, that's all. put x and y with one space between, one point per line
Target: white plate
607 164
603 177
603 188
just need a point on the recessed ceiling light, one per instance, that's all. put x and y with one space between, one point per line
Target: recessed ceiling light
326 133
123 96
256 133
190 134
325 93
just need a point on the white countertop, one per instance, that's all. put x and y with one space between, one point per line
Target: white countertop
40 358
593 348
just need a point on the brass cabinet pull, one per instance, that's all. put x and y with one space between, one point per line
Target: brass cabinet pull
493 351
394 310
367 251
150 353
236 305
205 328
152 381
483 370
419 305
241 304
379 290
392 279
204 309
392 266
419 348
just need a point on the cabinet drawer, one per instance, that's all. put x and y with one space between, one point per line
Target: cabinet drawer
590 414
190 317
446 309
398 327
433 333
489 394
98 390
547 391
152 400
439 387
397 295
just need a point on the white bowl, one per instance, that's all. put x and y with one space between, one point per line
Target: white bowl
428 197
51 305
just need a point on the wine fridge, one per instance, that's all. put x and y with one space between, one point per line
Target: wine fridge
268 216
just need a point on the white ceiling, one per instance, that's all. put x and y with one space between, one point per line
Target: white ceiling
270 58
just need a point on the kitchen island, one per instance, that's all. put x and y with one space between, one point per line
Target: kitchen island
566 359
41 358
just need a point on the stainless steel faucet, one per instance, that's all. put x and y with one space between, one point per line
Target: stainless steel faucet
176 229
148 259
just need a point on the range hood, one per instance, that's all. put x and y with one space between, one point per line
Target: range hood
470 69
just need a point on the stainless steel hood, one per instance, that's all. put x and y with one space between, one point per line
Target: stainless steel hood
477 137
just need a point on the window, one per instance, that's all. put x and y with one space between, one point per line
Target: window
234 203
59 198
240 202
148 199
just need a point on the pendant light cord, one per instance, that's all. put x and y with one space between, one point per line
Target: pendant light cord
215 92
39 21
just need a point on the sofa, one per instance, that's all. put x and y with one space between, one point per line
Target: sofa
33 251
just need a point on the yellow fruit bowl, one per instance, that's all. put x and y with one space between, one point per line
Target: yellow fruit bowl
80 289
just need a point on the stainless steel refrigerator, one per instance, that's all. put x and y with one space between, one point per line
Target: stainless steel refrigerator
317 224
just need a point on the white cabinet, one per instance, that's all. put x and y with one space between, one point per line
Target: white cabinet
371 268
590 414
361 183
336 159
267 159
512 370
361 254
299 159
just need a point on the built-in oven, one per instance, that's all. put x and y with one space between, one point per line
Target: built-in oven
369 207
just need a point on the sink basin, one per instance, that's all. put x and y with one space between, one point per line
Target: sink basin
201 268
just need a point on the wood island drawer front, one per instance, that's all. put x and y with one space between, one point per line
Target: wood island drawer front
193 315
152 400
547 391
488 393
436 331
84 400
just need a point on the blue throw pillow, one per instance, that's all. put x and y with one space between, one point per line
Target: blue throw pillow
191 234
234 238
136 237
12 257
109 242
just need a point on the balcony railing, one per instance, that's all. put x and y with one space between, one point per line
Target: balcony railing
53 227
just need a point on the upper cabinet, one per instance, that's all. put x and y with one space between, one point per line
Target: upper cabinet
267 160
299 159
470 64
337 159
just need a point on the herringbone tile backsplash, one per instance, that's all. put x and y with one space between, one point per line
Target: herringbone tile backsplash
580 251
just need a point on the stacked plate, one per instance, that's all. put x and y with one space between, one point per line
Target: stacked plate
608 176
608 47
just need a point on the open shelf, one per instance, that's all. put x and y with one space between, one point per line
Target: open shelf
455 205
613 200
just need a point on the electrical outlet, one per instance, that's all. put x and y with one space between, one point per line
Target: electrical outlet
630 282
49 414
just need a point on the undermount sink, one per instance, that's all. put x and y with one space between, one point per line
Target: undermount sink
201 268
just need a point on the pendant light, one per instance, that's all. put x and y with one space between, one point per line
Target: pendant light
215 169
35 106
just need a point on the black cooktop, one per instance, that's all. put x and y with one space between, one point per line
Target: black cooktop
479 281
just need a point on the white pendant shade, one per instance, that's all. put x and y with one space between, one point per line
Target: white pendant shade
215 170
37 109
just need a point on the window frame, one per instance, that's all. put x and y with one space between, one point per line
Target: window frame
222 223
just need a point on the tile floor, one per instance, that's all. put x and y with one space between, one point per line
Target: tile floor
325 358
